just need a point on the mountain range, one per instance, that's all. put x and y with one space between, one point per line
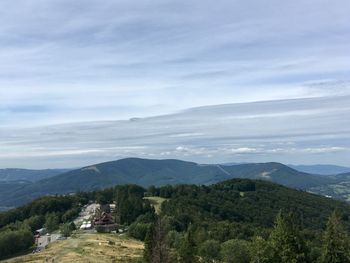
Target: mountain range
321 169
146 172
16 174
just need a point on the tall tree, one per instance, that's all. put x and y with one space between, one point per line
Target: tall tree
147 253
336 247
286 241
187 249
156 247
260 250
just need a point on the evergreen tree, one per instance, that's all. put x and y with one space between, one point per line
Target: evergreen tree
336 247
188 249
287 244
260 250
147 253
156 248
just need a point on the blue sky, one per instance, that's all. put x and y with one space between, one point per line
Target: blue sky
90 61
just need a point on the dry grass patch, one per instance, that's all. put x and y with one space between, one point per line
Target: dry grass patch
156 201
85 248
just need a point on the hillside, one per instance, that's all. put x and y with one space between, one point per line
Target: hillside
339 188
88 248
250 202
236 210
15 174
321 169
147 172
278 173
239 220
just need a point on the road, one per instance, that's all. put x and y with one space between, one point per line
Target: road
43 241
86 214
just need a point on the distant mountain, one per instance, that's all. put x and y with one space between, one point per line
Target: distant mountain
322 169
15 174
278 173
147 172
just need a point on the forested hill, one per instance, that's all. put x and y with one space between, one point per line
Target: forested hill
147 172
253 202
234 212
16 174
246 221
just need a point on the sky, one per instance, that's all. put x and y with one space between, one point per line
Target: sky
68 65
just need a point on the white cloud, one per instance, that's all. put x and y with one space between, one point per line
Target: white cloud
90 61
243 150
207 134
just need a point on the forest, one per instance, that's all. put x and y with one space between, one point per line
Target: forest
244 221
239 220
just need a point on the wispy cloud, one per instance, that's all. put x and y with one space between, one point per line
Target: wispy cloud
91 60
211 134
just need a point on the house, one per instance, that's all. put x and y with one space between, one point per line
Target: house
103 219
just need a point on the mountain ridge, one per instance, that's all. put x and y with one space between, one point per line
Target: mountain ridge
147 172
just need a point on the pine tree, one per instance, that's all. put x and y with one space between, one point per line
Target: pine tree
336 247
286 241
260 250
147 253
156 248
187 248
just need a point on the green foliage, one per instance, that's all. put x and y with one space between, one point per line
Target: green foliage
138 230
223 203
174 239
235 251
51 222
72 226
42 206
140 227
156 248
18 224
149 244
70 214
35 222
336 246
286 241
66 229
187 251
209 250
154 172
130 203
249 227
12 242
261 251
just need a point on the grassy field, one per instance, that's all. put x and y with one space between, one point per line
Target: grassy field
88 248
156 201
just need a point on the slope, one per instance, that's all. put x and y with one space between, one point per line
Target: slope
147 172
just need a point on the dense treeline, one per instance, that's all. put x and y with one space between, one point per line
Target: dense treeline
65 206
18 225
234 221
244 221
53 212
